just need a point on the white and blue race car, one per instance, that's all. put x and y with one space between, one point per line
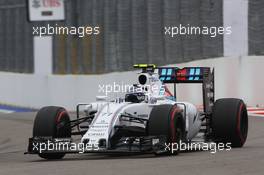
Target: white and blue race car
148 119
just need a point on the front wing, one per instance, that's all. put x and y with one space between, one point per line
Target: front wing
145 144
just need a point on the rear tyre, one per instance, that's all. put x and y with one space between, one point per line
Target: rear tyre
230 121
166 120
52 121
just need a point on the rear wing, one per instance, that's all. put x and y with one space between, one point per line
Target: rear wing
184 75
175 75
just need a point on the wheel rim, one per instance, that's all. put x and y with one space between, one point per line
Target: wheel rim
62 121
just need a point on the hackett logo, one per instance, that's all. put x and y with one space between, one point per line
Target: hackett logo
46 3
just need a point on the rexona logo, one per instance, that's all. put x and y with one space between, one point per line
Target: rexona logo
46 3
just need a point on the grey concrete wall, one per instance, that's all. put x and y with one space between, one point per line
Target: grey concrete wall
239 77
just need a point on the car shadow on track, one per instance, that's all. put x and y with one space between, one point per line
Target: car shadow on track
104 157
116 156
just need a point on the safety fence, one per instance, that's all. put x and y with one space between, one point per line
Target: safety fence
131 31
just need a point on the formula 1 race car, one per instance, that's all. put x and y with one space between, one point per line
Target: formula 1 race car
146 119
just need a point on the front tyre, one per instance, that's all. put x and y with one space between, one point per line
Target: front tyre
52 121
230 121
166 120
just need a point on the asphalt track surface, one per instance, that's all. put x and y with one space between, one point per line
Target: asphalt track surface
17 127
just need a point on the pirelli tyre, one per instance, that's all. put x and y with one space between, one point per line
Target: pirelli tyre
166 120
230 121
52 121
